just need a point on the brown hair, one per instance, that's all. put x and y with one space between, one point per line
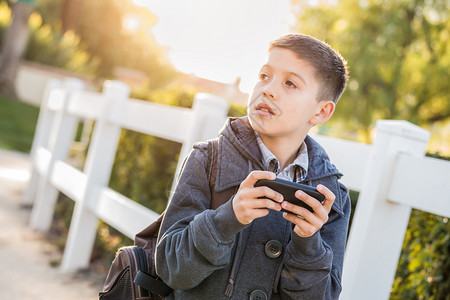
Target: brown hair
331 67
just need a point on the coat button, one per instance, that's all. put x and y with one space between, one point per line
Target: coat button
258 295
273 249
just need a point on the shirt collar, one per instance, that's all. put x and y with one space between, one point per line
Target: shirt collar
297 170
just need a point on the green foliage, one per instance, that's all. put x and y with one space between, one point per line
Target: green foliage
236 110
144 166
424 267
102 29
48 45
61 221
399 63
354 195
170 96
398 57
5 18
17 123
107 241
101 43
423 270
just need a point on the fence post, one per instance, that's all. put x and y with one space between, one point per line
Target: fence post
379 226
60 138
41 135
99 162
209 115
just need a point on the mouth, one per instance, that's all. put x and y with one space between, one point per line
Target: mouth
264 109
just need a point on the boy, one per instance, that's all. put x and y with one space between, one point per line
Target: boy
247 248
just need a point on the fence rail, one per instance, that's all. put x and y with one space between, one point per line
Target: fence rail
392 176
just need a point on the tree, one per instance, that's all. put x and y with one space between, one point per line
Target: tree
14 46
104 29
71 13
399 63
398 58
117 32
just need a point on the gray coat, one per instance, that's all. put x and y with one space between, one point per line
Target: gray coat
200 251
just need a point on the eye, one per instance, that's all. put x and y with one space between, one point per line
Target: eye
290 84
263 76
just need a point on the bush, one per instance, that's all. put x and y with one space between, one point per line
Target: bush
48 45
144 166
423 271
424 267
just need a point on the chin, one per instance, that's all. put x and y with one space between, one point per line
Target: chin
257 123
261 126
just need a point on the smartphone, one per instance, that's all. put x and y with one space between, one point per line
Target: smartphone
288 189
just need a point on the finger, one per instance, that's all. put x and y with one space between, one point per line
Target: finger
317 218
254 176
259 213
306 217
266 203
247 216
329 197
261 197
302 228
260 192
309 200
297 210
294 219
264 191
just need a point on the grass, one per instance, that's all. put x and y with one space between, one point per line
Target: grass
17 124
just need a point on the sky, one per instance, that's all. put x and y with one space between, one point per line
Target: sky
219 39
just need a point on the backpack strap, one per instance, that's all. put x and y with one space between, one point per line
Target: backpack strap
211 167
151 284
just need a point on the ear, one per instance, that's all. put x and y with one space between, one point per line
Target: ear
325 111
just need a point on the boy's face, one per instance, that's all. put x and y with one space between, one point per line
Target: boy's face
284 101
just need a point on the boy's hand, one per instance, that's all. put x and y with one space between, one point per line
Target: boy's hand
247 204
306 222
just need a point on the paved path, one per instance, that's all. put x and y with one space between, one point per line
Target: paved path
25 255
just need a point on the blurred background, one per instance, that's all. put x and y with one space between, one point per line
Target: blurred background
397 51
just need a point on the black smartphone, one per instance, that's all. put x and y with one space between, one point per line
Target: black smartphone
288 189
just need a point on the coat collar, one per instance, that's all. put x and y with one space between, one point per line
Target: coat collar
239 154
320 165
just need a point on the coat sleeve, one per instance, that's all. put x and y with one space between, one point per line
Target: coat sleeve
189 234
313 266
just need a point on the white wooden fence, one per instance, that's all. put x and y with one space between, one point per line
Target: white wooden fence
392 176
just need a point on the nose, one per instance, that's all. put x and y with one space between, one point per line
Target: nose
269 91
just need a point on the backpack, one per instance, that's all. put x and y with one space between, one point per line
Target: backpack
132 274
